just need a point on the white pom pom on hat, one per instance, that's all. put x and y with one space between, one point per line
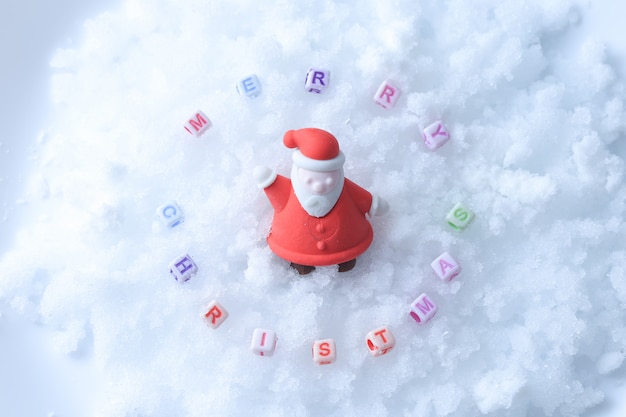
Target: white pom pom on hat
316 149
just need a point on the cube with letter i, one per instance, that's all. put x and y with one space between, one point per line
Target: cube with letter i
380 341
215 314
183 268
387 94
249 86
445 267
324 351
197 124
435 135
264 342
423 309
317 80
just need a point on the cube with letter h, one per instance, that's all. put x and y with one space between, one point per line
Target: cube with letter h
387 94
183 268
445 267
249 86
216 314
423 309
198 124
324 351
435 135
317 80
170 214
264 342
380 341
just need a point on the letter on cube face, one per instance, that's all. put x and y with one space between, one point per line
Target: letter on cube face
435 135
459 217
249 86
170 214
264 342
387 94
183 268
198 124
423 309
445 267
317 80
380 341
216 314
324 351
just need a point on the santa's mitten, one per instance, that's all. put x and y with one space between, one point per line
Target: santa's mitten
264 176
379 206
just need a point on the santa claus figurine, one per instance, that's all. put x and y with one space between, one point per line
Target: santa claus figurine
320 217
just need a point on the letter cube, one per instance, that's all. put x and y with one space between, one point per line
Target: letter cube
459 217
380 341
170 214
324 351
249 86
387 94
423 309
198 124
445 267
317 80
435 135
216 314
183 268
264 342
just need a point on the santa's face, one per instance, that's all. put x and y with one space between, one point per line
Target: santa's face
318 183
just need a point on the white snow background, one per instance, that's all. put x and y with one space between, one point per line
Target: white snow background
91 322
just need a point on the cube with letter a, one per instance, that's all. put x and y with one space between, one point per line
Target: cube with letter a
197 124
215 314
380 341
264 342
445 267
324 351
423 309
387 94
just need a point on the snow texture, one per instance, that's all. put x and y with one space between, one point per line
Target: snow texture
528 328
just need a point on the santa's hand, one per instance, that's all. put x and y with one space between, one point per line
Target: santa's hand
379 206
264 176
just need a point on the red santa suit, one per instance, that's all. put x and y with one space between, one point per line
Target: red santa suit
327 226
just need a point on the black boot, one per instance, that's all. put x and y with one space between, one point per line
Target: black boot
302 269
347 266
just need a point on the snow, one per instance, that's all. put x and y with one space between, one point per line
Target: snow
93 323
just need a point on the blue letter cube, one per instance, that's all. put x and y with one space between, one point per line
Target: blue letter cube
249 86
170 214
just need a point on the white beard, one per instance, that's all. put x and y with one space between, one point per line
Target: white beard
315 204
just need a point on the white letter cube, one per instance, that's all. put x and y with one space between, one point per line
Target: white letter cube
459 217
264 342
216 314
198 124
380 341
445 267
423 309
183 268
317 80
249 86
324 351
435 135
387 94
170 214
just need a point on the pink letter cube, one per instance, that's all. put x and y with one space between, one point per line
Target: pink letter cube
197 124
264 342
216 314
387 94
423 309
435 135
324 351
317 80
445 267
380 341
183 268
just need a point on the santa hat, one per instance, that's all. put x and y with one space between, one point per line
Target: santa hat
316 149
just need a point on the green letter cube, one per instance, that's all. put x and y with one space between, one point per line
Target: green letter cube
459 217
